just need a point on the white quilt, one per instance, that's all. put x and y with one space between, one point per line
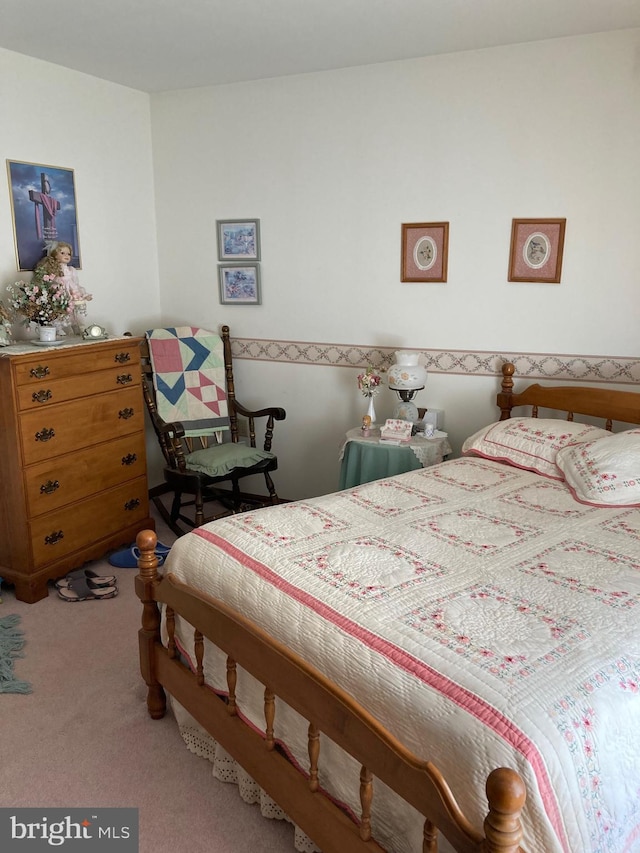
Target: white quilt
480 612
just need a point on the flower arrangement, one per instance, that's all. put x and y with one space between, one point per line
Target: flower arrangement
41 300
369 382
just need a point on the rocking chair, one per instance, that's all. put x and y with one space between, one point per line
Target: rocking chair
190 395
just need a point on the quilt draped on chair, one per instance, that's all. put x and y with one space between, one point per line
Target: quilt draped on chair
189 378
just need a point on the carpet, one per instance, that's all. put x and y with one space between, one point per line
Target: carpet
11 643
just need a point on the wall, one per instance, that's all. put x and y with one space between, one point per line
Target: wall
333 163
57 117
102 131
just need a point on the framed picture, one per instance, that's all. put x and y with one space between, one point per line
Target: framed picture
239 284
425 247
43 207
536 250
238 239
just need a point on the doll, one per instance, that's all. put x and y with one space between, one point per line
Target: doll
57 262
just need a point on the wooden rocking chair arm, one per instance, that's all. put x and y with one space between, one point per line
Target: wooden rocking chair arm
275 412
174 429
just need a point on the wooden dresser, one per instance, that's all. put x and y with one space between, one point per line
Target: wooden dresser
73 479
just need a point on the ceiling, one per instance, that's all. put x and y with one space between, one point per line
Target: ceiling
160 45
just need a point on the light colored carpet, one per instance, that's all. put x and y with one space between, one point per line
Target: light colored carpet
83 737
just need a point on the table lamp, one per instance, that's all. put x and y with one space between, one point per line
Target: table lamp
406 377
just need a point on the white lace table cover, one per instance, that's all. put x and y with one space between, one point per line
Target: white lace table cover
428 451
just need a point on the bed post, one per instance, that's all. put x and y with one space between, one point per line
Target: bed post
506 795
504 397
149 633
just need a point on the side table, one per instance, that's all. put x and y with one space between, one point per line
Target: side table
366 459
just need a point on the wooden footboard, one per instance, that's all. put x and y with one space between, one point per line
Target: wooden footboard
329 710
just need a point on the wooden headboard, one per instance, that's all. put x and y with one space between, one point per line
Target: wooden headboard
610 405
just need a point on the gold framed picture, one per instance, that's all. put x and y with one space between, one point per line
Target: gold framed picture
536 250
43 205
425 247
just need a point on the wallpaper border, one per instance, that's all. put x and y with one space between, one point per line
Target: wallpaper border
573 368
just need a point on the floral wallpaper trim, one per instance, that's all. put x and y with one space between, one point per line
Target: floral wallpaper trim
573 368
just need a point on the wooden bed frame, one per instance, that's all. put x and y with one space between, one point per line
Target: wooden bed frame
328 709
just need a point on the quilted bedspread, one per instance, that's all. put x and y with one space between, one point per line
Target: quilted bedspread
480 612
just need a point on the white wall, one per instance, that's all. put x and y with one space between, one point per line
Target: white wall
58 117
332 164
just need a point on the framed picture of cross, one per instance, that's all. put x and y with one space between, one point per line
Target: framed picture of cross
43 207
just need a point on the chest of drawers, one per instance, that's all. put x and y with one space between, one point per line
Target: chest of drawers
73 479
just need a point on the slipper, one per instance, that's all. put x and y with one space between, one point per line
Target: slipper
128 557
79 590
93 579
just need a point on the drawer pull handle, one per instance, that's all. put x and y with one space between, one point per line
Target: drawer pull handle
132 504
125 414
39 372
49 487
54 537
42 396
129 459
45 434
123 357
124 379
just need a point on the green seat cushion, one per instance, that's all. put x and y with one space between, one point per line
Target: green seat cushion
219 459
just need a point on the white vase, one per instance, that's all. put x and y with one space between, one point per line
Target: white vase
371 411
47 333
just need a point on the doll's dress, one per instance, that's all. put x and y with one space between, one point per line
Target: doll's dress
77 293
70 280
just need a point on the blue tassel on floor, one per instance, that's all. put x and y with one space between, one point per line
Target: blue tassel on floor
11 643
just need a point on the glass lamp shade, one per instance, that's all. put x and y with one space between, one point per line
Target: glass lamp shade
406 374
406 410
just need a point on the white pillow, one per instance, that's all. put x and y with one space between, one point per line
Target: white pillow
604 473
530 443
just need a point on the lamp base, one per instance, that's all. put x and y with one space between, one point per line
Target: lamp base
406 410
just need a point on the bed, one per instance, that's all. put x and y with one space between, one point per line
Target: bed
443 660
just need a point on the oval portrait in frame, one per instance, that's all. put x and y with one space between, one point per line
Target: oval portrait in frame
425 253
536 250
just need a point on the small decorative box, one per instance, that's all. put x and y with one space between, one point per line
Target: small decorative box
396 430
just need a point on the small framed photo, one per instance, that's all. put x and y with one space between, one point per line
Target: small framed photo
238 239
425 248
536 250
239 284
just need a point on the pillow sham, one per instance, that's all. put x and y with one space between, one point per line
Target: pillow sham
604 473
530 443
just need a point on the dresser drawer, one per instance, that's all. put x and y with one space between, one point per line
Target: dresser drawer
76 361
59 533
63 428
45 393
65 479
